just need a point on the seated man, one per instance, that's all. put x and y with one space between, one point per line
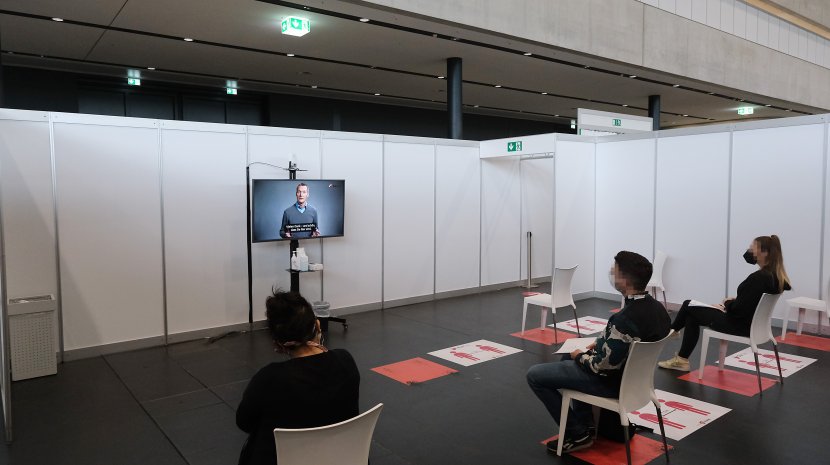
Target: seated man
599 370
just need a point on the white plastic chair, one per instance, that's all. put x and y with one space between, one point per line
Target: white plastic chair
344 443
656 281
759 333
562 297
802 304
636 390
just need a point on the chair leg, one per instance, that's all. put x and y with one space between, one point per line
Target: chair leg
704 348
722 354
524 316
576 319
627 445
662 431
555 331
665 302
778 361
758 373
800 324
563 420
786 323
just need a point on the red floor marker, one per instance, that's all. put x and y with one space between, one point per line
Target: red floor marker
544 336
615 310
530 293
804 340
745 384
413 371
605 452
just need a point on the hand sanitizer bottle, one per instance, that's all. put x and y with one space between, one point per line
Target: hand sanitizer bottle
295 262
303 262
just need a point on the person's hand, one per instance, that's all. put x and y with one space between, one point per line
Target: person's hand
591 346
316 233
287 233
720 307
575 354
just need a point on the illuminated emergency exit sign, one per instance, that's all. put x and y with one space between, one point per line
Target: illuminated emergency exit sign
515 146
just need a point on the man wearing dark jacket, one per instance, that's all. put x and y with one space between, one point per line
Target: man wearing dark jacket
599 370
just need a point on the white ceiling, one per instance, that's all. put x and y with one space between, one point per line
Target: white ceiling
241 40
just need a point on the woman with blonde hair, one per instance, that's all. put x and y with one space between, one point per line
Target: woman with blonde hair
733 315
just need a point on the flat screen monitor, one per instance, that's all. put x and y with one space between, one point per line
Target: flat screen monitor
286 209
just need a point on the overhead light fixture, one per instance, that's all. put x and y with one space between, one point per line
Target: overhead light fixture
475 106
440 77
497 86
632 76
625 104
296 26
743 111
676 85
587 67
377 95
768 105
685 116
364 20
289 54
556 116
711 93
544 93
188 39
151 68
527 54
313 87
59 20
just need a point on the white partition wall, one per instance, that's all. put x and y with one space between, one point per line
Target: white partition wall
624 202
500 221
204 226
408 218
575 210
109 221
353 263
824 290
270 150
537 182
777 188
457 217
692 214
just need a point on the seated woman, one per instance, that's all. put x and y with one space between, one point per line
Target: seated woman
314 387
733 316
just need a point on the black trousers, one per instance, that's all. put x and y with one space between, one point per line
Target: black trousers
690 318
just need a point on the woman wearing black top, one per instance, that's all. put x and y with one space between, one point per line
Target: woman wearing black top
733 316
314 387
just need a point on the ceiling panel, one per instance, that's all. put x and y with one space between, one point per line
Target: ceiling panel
93 11
49 38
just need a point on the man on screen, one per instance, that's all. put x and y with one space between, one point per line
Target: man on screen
300 220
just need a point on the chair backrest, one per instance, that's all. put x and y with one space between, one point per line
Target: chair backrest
561 287
637 383
345 443
761 329
657 270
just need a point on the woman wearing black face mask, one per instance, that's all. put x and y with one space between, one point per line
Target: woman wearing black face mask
314 387
734 315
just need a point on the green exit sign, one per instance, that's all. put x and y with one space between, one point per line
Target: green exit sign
617 122
134 81
743 111
296 26
515 146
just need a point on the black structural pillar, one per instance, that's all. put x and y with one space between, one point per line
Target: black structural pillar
654 111
454 98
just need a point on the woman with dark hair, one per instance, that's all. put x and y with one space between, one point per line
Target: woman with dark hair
314 387
734 315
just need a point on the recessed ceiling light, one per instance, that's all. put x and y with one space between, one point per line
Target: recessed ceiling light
625 104
587 67
376 95
544 93
741 100
364 20
632 76
711 93
676 85
60 20
685 116
497 86
556 116
313 87
289 54
440 77
527 54
151 68
188 39
768 105
475 106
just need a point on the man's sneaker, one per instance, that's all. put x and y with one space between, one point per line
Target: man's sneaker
571 444
675 363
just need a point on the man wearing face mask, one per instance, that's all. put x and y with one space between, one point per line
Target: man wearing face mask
599 370
733 315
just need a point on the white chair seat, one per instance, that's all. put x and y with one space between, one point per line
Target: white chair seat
760 332
802 304
636 390
542 300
